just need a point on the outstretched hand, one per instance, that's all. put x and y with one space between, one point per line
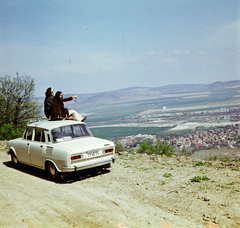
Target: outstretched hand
75 96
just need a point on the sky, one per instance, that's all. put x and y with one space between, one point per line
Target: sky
92 46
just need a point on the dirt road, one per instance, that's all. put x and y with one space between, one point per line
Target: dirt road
138 191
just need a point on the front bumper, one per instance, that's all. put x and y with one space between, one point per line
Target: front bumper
89 164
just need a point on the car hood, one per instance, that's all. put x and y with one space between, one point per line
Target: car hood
85 144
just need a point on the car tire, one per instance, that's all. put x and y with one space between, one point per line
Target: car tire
15 161
52 171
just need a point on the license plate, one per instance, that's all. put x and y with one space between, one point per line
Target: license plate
92 154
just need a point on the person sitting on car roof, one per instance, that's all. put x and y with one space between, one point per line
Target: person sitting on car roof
58 110
48 101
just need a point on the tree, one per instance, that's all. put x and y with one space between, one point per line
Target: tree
17 106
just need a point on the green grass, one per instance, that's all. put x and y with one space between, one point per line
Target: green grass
199 179
126 157
200 163
218 158
167 175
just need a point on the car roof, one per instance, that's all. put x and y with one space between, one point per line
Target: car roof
48 125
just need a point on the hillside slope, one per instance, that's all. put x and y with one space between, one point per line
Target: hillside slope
113 106
138 191
134 94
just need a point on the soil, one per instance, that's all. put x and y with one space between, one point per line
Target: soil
138 191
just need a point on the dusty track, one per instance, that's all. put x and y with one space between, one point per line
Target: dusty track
133 193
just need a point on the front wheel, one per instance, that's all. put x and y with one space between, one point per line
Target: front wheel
15 161
52 172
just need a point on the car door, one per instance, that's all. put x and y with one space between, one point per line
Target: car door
37 148
24 146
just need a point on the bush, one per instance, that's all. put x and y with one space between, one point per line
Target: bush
8 131
205 178
145 147
17 105
158 148
199 179
167 175
119 147
196 179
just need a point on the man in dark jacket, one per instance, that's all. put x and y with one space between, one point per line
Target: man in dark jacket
58 110
48 102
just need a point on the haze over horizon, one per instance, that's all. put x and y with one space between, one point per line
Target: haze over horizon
131 89
97 46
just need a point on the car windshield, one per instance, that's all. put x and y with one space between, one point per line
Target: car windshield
69 132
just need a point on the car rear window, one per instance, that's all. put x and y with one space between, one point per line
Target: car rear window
69 132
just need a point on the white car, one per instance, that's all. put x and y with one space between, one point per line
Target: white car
60 147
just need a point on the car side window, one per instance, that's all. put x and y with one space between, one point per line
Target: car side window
28 134
39 135
80 130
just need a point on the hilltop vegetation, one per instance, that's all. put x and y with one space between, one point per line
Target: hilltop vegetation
17 106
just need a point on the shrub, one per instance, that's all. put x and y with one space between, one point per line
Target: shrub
119 147
205 178
196 179
146 147
167 175
199 179
8 131
158 148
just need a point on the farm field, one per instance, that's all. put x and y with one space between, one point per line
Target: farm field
117 132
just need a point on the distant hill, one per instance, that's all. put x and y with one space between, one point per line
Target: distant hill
114 105
134 94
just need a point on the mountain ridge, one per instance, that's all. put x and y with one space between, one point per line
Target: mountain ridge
133 94
167 95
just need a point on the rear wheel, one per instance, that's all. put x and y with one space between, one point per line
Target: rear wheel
15 161
52 172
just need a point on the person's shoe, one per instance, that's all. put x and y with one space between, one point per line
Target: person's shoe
84 118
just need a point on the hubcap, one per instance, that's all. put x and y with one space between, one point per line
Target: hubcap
52 169
15 159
